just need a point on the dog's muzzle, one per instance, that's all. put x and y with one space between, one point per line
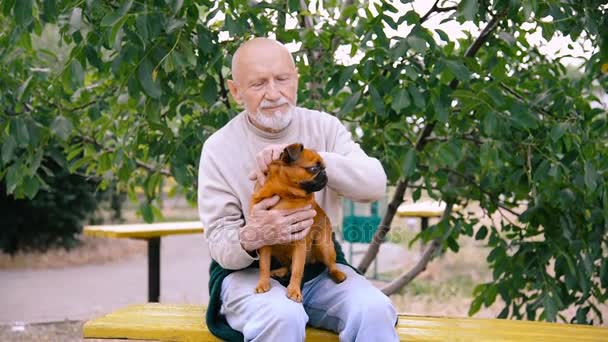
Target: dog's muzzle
316 183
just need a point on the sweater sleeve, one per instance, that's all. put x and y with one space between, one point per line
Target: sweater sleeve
351 172
220 212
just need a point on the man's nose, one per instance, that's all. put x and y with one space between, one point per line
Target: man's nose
272 91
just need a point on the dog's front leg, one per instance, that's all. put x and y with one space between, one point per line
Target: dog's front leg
264 282
298 259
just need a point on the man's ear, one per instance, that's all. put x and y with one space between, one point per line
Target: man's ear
234 91
291 153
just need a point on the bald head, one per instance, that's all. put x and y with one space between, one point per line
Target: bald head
256 51
265 82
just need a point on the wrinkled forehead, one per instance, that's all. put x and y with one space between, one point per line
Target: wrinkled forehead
262 59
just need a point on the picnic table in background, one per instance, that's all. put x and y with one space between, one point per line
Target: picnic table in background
152 233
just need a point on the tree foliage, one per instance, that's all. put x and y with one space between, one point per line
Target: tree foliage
131 89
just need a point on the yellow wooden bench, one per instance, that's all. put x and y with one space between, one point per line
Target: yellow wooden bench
162 322
152 233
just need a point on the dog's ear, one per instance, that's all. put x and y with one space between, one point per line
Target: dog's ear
291 153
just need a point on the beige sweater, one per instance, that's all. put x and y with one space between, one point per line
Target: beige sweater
228 156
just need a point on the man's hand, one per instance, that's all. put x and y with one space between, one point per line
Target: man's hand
263 159
275 226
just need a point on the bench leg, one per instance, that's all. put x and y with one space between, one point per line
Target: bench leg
153 269
424 224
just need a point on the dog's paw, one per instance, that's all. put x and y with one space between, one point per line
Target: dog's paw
279 272
337 275
263 286
294 293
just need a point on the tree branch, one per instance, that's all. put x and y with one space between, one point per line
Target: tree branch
139 163
224 91
436 9
397 199
427 256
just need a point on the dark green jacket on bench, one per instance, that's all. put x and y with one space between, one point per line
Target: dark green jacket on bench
217 323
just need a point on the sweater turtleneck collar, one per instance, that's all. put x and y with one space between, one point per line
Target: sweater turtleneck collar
266 134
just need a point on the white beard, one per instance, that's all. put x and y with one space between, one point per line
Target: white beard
276 121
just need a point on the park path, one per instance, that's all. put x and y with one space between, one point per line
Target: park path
84 292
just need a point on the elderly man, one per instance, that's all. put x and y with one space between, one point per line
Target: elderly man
265 82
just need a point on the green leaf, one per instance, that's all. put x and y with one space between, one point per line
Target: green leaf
550 308
105 163
13 177
210 90
604 273
416 96
293 5
23 12
475 305
8 149
112 18
377 101
21 133
418 44
468 8
590 176
490 295
36 160
176 5
30 186
350 103
144 76
75 20
147 213
49 9
23 88
481 233
401 100
76 74
457 67
409 163
489 123
453 245
522 118
442 35
440 106
557 132
62 127
449 154
141 23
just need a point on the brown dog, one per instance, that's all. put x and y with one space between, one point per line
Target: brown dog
294 177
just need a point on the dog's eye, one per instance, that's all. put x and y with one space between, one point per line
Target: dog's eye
313 169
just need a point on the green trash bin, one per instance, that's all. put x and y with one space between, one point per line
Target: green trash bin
360 228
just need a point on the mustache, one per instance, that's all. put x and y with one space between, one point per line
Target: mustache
269 104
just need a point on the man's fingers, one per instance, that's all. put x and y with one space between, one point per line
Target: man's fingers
287 212
299 235
266 203
299 226
276 152
267 156
261 177
300 216
253 175
261 162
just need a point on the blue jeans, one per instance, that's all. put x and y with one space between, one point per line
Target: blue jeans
354 308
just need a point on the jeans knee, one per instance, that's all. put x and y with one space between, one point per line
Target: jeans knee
289 313
283 322
378 312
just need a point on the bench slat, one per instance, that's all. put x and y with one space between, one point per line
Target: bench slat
166 322
144 230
